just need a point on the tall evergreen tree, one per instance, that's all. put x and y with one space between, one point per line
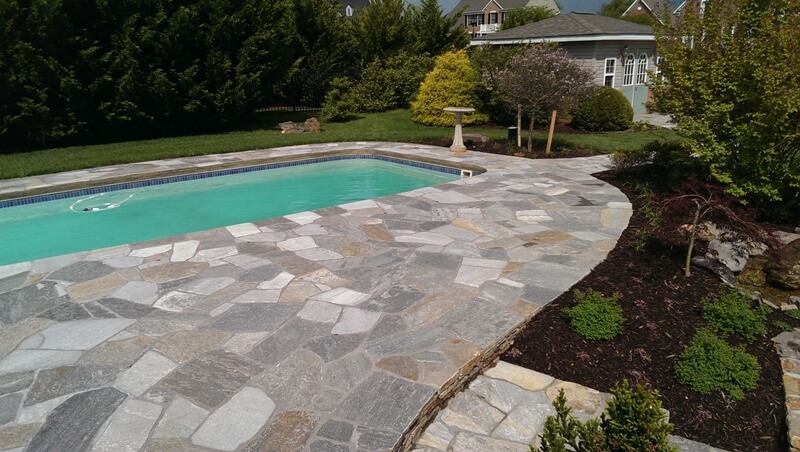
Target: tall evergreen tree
432 32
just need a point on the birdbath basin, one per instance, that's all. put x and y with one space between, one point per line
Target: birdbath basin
458 139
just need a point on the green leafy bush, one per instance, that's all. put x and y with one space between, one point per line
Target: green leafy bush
453 82
709 364
606 110
732 312
794 313
595 316
337 106
633 421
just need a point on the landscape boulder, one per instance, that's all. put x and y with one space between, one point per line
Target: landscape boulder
783 269
312 125
290 127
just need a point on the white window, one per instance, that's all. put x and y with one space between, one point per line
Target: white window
348 11
610 70
493 18
627 75
641 70
659 75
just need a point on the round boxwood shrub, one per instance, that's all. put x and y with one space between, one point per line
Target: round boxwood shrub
595 317
607 110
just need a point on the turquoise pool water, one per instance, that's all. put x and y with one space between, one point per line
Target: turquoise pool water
89 222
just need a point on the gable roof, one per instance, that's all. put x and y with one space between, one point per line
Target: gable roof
656 7
474 6
573 27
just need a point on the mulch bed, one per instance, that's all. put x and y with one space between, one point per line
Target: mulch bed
662 308
662 311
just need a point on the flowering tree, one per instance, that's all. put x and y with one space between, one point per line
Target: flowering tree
540 79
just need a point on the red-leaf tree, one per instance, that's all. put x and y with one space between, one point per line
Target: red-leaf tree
541 79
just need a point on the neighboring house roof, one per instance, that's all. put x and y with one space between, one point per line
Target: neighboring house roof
572 27
476 6
655 7
357 5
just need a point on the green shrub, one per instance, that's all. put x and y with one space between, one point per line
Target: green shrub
606 110
732 312
595 316
453 82
337 105
709 364
633 421
794 313
390 84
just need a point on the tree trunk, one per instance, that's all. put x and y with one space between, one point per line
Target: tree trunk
550 134
530 136
687 269
519 125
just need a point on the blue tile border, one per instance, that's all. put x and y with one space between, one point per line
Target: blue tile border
226 172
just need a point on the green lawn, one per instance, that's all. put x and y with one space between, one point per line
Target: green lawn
389 126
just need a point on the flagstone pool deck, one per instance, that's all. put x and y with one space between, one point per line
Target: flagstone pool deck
346 328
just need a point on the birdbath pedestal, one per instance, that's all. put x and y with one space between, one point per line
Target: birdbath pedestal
458 140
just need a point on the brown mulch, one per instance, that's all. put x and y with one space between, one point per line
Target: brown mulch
661 306
662 310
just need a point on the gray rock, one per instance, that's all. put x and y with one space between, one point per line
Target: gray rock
330 348
409 341
369 439
15 382
395 299
345 373
288 431
52 383
65 312
236 422
327 446
387 326
75 422
732 254
180 420
336 430
209 380
9 404
255 317
126 309
384 402
129 427
82 271
293 383
291 336
28 301
479 321
260 274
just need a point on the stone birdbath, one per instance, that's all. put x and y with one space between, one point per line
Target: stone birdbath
458 140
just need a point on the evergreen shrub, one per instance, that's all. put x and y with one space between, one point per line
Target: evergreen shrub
632 422
596 316
453 82
606 110
709 364
732 312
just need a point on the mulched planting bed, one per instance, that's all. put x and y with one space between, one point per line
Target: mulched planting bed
662 308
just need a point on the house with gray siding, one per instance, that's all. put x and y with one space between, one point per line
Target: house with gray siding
620 53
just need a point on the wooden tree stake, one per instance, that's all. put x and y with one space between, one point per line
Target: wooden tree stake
550 134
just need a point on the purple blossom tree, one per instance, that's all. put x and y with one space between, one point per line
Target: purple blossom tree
541 79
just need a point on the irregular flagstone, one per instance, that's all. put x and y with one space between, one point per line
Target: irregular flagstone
121 354
342 296
346 372
376 232
468 412
235 422
138 292
207 286
52 383
355 320
23 360
75 422
129 427
66 312
402 366
320 311
244 229
183 251
288 338
185 345
395 299
479 321
209 380
17 435
81 271
383 401
81 334
293 383
525 422
254 317
180 420
18 304
288 431
298 291
151 368
18 381
177 301
297 244
474 441
96 288
279 282
126 309
330 348
425 238
258 296
150 251
8 407
163 273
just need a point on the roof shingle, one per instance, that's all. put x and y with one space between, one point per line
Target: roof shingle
572 24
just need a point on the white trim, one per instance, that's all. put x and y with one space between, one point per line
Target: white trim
492 1
590 38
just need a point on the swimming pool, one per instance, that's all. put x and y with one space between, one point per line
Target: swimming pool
99 217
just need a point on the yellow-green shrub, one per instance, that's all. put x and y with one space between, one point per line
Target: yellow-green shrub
453 82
